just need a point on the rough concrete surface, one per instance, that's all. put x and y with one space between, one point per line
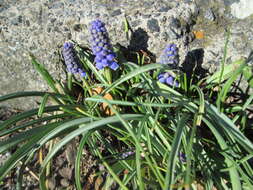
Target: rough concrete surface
42 26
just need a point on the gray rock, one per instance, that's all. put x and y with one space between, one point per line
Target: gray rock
153 25
116 12
230 2
209 14
65 182
242 9
41 27
174 23
172 34
173 27
164 9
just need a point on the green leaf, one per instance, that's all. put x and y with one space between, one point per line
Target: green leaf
173 155
42 105
78 161
248 74
132 74
24 150
28 94
31 122
127 103
201 105
234 176
225 89
223 122
25 115
44 73
84 128
228 72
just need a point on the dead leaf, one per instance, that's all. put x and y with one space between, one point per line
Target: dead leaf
198 34
104 106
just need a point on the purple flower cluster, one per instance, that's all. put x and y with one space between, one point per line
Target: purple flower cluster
71 60
101 47
126 154
182 157
168 79
170 56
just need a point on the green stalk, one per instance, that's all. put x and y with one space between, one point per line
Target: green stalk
108 75
70 84
87 86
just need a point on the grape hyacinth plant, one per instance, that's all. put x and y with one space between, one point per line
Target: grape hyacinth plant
71 60
101 46
170 56
130 131
127 154
168 79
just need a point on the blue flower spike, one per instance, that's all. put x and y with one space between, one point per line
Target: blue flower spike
168 79
182 157
71 60
170 56
101 46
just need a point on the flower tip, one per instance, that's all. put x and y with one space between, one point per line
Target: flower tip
67 45
114 66
83 74
99 66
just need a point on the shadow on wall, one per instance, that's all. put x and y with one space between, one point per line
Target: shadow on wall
139 40
192 64
138 43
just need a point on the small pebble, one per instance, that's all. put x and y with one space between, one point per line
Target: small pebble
164 9
153 25
209 15
77 27
116 13
174 23
65 182
173 34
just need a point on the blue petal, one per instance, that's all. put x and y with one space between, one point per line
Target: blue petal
83 74
110 57
105 62
170 81
98 59
67 45
114 66
161 76
74 70
104 53
176 84
162 80
99 66
69 66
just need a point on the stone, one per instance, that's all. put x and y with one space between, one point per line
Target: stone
230 2
116 12
172 34
209 15
242 9
65 182
164 9
153 25
174 23
77 27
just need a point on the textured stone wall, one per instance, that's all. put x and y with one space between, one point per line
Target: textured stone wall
42 26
